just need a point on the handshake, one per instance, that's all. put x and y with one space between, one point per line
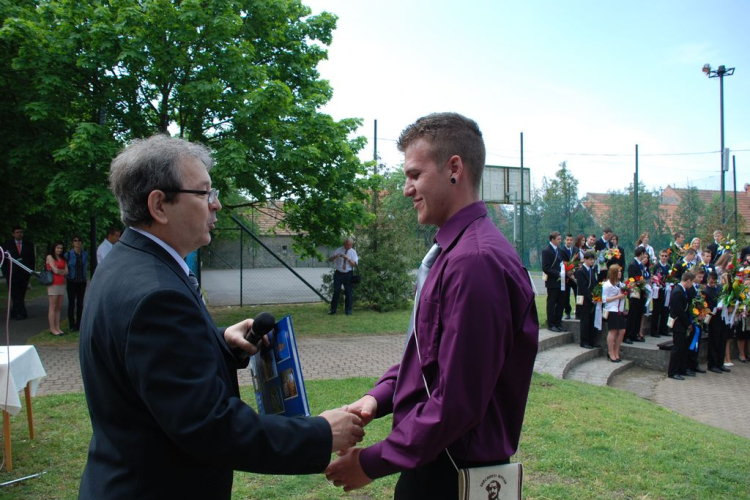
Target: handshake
347 426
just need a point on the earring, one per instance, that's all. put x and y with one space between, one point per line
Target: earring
453 180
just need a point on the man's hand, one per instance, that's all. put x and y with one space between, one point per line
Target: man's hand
347 471
235 337
365 408
346 428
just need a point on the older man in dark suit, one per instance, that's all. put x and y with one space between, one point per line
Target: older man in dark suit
160 377
21 250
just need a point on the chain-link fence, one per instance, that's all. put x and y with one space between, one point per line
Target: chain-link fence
240 268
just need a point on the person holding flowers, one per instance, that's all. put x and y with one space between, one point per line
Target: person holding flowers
700 311
716 336
659 285
552 258
572 261
586 279
637 272
615 254
613 299
680 312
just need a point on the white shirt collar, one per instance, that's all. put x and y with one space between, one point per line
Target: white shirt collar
171 251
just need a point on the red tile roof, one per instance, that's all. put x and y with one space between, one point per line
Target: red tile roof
598 203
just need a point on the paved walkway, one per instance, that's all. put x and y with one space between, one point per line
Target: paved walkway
717 400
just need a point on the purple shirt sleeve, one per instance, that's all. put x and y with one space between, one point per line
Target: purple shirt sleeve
466 331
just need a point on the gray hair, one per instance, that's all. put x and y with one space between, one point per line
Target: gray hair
146 165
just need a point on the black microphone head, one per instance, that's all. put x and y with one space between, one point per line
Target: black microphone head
263 323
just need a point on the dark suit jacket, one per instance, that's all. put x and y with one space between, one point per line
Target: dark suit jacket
551 266
601 245
27 257
161 386
714 249
586 282
634 269
679 305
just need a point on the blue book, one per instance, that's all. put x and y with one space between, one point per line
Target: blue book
277 374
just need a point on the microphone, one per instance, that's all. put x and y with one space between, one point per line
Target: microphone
262 324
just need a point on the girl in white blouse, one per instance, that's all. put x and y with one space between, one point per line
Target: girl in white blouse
613 300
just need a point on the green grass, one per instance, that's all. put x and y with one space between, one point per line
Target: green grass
579 442
310 320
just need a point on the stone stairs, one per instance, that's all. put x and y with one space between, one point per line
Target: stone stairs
561 356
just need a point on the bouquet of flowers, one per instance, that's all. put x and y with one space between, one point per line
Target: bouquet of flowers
636 287
700 307
658 280
611 253
596 293
573 263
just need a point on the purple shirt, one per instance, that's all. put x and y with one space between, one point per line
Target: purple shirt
478 335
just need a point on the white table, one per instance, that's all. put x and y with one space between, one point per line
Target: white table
26 371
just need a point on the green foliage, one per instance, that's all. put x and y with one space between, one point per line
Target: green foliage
620 217
81 79
689 216
389 246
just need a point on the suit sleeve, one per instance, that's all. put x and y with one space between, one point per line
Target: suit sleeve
550 264
177 365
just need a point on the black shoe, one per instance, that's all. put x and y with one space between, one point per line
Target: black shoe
639 339
656 336
554 329
689 373
562 328
676 377
699 370
331 312
724 369
348 313
567 316
715 370
627 341
742 360
587 346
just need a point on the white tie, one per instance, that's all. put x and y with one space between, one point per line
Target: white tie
422 273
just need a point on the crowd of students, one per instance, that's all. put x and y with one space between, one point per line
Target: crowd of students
686 291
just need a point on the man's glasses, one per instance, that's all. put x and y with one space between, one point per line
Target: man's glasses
213 194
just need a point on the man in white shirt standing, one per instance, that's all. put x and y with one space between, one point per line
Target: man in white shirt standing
113 236
344 259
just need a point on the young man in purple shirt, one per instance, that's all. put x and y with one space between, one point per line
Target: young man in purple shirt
476 332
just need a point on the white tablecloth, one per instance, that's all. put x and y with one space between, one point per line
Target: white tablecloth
25 366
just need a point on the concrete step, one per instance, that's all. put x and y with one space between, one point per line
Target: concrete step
574 326
599 371
549 340
558 361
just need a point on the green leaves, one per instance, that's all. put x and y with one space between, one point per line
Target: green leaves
85 77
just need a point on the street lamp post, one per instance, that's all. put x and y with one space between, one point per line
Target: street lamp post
719 73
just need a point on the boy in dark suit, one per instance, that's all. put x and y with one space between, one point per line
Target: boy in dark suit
586 280
680 310
551 259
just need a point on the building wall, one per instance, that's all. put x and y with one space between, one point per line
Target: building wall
225 253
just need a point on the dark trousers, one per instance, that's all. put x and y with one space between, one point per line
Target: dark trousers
718 334
17 288
555 298
344 279
635 314
588 332
692 356
659 316
566 302
678 356
437 480
76 291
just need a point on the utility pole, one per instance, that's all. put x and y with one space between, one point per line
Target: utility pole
635 193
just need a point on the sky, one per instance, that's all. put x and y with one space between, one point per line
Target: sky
584 81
